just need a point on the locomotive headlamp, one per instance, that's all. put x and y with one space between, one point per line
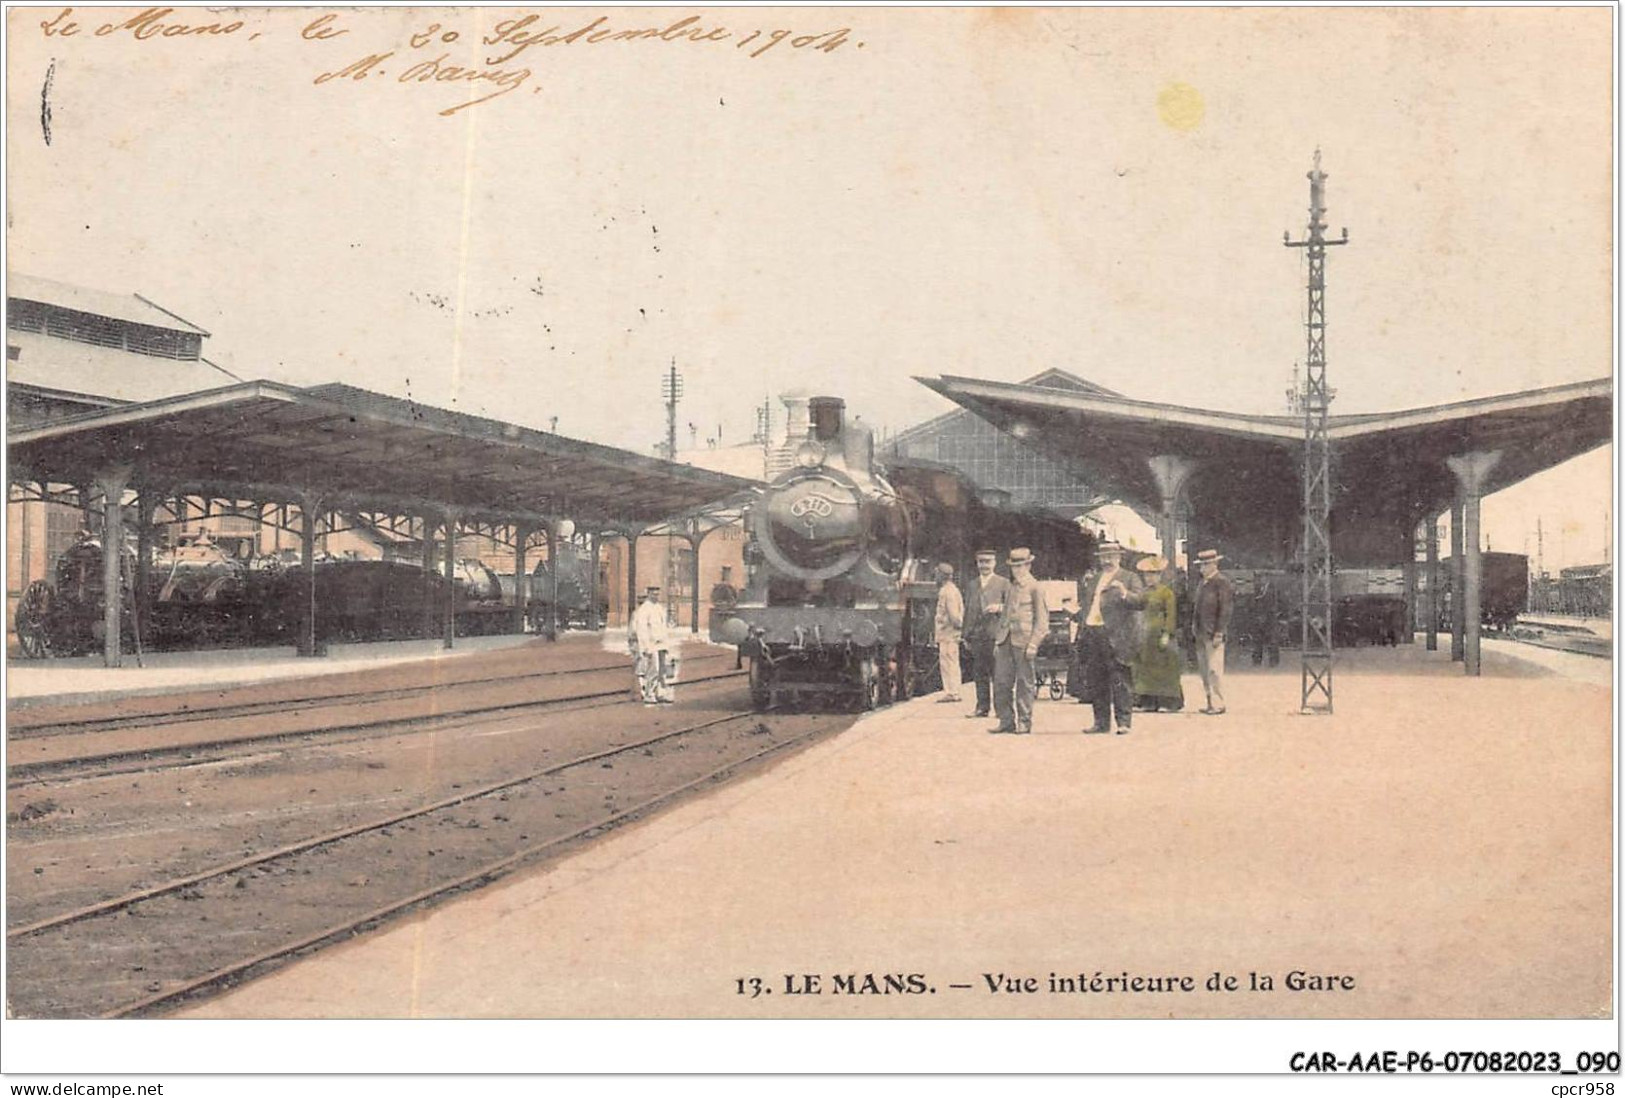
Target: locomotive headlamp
810 455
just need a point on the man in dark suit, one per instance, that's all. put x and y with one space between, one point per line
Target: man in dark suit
1109 601
1023 624
984 602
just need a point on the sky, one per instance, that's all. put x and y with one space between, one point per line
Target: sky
986 193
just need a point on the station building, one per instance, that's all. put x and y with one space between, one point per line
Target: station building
1000 462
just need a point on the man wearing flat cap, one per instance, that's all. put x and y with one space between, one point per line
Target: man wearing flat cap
1215 599
649 640
950 620
1109 599
985 593
1023 624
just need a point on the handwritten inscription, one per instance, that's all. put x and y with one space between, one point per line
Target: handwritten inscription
488 66
151 23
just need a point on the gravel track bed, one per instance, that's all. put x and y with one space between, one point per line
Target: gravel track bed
109 837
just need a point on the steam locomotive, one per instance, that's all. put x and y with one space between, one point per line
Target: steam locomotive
567 604
840 598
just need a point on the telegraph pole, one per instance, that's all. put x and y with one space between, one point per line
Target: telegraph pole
671 390
1539 602
1317 461
764 435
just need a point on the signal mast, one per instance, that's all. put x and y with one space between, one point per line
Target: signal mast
671 391
1317 461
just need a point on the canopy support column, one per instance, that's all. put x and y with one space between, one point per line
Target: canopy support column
632 535
307 644
430 521
1472 470
1430 606
146 504
112 483
550 627
521 581
594 623
1407 634
448 620
1458 580
694 540
1171 472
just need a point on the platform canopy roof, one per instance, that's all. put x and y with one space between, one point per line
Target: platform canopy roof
1390 468
354 448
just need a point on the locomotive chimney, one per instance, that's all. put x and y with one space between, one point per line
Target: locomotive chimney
827 414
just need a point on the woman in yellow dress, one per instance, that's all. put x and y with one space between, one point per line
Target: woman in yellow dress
1156 665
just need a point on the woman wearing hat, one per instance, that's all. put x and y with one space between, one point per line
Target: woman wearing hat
1156 664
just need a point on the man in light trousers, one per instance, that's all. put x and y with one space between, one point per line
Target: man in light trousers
649 641
1215 599
950 621
1023 623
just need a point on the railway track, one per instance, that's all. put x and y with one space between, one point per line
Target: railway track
101 751
160 710
138 952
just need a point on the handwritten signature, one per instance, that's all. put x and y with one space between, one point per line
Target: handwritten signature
436 70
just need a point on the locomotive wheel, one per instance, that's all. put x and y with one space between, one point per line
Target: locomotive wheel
33 620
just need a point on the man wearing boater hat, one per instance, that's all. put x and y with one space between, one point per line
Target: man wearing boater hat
984 604
1215 598
1023 624
1109 598
649 640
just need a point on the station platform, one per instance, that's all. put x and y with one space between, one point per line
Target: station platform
85 679
1438 848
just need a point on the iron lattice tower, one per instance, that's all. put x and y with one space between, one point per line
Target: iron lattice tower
1317 461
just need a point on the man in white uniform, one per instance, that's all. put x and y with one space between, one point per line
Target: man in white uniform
950 620
649 641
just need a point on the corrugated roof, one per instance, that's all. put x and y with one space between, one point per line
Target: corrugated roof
131 307
66 366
